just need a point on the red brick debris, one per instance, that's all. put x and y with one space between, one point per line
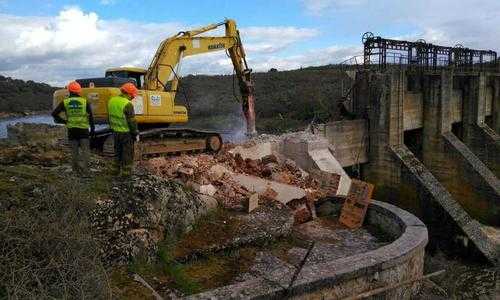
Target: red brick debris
216 170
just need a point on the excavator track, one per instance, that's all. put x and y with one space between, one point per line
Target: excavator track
164 141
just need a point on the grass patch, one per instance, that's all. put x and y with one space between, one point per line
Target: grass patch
221 269
176 272
166 269
48 249
217 227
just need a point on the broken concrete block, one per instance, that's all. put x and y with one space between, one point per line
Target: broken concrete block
185 171
185 174
253 202
272 268
285 192
254 153
270 194
218 171
209 201
325 162
205 189
282 177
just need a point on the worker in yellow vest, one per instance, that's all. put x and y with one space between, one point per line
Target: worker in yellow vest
78 120
121 118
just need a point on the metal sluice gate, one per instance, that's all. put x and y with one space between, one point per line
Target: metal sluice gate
382 52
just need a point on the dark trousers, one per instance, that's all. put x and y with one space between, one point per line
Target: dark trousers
80 156
124 153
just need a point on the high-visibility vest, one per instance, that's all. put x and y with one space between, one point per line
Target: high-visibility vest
116 116
76 112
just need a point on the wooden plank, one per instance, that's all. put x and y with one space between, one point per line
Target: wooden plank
356 204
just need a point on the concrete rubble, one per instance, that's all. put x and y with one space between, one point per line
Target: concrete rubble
294 169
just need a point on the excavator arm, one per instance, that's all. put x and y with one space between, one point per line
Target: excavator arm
167 62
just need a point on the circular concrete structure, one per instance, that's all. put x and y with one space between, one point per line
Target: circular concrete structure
399 261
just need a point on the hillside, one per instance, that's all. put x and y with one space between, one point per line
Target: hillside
284 100
17 96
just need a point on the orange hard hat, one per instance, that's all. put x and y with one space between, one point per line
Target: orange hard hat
129 89
74 87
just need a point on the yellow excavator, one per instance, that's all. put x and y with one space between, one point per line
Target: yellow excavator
154 106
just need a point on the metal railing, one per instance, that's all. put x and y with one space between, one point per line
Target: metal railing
382 53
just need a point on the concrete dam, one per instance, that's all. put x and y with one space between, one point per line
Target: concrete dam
425 130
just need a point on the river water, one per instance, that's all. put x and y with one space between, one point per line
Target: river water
37 119
228 136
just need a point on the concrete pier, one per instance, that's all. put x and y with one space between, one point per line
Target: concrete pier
432 148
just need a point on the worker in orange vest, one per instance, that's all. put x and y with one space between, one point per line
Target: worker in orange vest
78 120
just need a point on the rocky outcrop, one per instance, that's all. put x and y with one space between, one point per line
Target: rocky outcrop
27 133
34 144
142 212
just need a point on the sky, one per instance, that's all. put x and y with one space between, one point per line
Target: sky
58 41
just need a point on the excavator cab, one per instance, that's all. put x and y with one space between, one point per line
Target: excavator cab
137 74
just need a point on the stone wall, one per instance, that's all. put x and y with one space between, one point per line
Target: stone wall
399 261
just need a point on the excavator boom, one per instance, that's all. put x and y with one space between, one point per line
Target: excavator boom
167 61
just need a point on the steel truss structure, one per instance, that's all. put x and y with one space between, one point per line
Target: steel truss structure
383 52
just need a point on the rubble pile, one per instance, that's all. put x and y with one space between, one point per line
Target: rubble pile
241 178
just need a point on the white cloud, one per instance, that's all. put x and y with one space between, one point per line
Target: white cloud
74 44
471 23
316 57
77 44
274 39
72 30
